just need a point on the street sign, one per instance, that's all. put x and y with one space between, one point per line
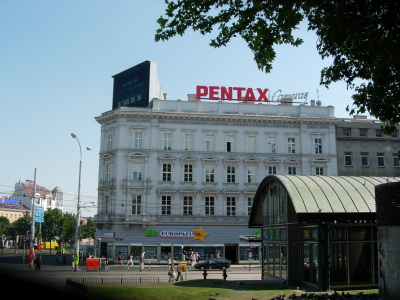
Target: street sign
39 214
37 219
37 207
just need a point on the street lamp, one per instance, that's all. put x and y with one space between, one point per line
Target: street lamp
78 210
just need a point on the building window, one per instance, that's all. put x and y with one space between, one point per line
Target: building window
136 204
271 144
210 142
291 145
380 159
251 144
210 172
396 162
319 171
249 204
188 142
292 170
167 140
165 205
187 205
109 141
363 132
251 174
188 173
272 170
108 171
318 146
230 143
231 206
138 140
378 133
209 206
166 175
137 171
395 134
230 174
346 131
348 159
106 203
364 159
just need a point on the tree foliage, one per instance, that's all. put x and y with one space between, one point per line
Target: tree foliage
361 37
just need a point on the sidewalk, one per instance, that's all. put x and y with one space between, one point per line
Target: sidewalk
52 278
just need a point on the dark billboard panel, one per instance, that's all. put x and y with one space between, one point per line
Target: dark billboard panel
131 87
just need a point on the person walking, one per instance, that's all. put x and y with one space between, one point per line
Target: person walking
130 260
38 262
142 261
76 262
171 272
119 258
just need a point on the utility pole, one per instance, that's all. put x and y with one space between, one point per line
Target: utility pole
32 238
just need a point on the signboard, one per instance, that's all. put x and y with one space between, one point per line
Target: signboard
39 214
37 207
132 87
38 219
104 235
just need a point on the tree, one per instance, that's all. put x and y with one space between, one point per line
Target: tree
4 224
52 225
362 37
21 226
88 230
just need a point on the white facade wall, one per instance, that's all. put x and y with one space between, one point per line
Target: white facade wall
200 118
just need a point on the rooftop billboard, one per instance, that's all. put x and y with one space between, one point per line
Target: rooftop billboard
132 86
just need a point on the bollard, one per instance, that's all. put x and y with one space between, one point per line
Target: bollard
205 274
224 274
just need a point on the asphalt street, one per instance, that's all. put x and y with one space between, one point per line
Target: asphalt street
51 279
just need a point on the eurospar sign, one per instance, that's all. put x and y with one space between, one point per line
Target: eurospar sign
243 94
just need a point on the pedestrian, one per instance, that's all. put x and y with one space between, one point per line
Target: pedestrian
169 263
119 258
142 261
171 272
38 262
130 260
179 269
76 262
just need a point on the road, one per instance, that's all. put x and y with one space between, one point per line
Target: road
52 277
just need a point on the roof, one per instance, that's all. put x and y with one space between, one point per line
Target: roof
323 194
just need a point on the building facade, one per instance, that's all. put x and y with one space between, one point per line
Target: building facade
363 149
180 176
24 192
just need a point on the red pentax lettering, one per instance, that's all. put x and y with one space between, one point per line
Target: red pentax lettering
231 93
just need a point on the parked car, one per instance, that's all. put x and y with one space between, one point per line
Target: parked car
215 263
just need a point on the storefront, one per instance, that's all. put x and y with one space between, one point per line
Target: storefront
179 242
319 231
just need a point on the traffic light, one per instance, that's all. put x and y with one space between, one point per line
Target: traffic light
98 242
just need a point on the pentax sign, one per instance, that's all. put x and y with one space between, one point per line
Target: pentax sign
231 93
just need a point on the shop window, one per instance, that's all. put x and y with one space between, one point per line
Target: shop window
338 234
338 265
151 252
360 263
136 252
165 253
359 233
123 250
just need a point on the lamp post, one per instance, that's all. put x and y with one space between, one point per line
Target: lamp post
78 209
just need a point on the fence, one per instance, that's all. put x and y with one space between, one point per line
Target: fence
108 280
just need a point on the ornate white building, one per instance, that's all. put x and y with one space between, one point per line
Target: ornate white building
180 176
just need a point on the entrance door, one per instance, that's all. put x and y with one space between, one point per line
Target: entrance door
231 252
